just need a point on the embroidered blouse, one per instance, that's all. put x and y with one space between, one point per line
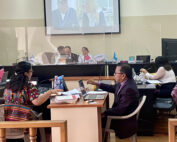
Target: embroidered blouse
23 97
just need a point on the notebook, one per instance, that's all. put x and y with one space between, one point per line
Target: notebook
89 96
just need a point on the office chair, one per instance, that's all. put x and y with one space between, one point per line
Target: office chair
133 138
21 133
165 104
48 58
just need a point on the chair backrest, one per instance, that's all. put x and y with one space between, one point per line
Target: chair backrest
19 133
135 112
11 133
48 58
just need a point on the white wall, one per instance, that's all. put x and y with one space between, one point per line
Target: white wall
143 24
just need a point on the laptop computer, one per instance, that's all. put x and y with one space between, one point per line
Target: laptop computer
89 96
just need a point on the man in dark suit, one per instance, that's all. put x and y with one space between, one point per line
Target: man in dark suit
71 56
125 101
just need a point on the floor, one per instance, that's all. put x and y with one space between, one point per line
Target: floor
160 131
155 138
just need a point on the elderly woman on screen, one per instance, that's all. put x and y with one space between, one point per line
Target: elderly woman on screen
20 91
85 57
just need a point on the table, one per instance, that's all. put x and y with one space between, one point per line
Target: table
145 121
172 123
83 119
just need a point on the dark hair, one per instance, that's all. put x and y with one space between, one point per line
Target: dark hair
19 80
68 47
161 61
126 69
60 48
85 48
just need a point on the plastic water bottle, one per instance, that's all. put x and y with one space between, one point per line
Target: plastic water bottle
142 78
133 73
56 82
60 82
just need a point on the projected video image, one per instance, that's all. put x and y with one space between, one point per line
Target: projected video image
82 16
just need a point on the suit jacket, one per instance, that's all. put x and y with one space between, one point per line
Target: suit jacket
70 19
125 102
74 58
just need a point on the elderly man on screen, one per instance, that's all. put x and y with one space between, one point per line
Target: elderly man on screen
64 16
125 101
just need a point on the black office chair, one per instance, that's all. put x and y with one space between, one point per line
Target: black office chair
165 104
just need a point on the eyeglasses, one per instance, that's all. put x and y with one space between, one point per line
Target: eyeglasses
118 73
31 71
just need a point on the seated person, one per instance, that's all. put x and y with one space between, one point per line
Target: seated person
85 57
60 55
20 91
64 16
125 101
71 57
92 15
164 74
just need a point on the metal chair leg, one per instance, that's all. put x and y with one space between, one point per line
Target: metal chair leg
133 138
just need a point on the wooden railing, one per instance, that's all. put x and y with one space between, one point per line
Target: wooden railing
33 125
172 123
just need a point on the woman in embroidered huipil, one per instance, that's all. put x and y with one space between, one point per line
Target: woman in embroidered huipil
20 91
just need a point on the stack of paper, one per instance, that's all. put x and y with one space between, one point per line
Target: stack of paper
153 81
66 99
96 92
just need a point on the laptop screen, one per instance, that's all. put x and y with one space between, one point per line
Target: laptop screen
82 87
143 58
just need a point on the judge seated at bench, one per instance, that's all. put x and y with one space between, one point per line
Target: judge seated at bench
71 57
60 57
85 57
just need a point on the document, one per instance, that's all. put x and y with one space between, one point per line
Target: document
96 92
153 81
68 97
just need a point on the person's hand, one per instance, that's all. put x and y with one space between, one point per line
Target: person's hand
55 91
143 70
91 82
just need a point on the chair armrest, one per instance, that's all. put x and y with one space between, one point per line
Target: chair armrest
121 117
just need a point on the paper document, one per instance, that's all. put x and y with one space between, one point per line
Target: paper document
69 97
71 92
153 81
96 92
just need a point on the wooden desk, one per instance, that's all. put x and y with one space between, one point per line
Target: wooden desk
172 123
83 120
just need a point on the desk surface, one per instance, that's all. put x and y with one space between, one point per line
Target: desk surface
146 87
88 77
79 103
